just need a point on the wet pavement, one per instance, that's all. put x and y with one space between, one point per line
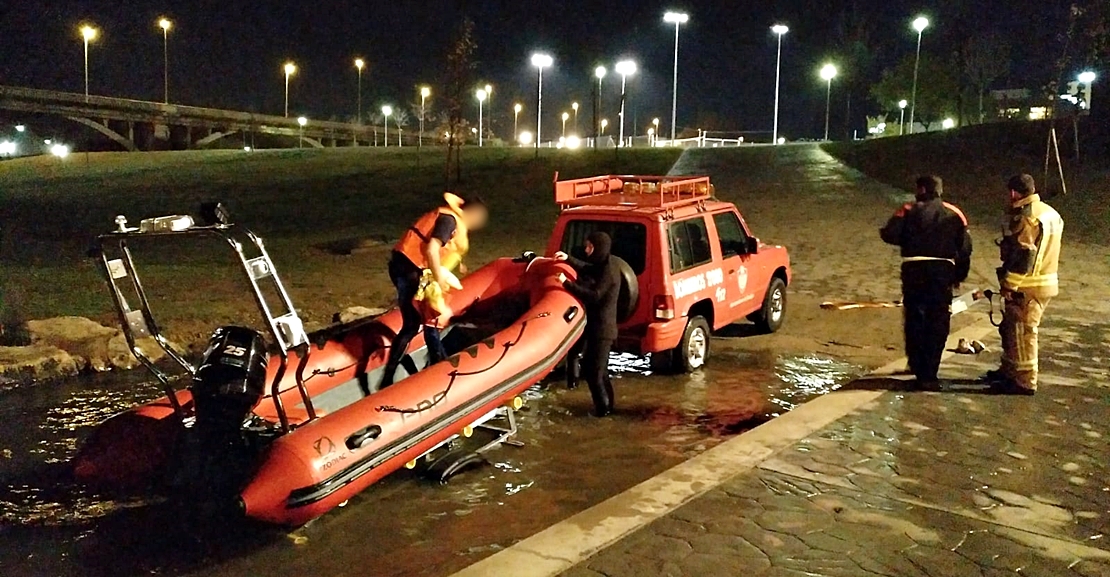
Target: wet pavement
934 484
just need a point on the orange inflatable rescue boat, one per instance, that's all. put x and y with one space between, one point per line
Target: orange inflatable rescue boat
287 436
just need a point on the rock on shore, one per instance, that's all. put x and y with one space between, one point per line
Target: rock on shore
65 346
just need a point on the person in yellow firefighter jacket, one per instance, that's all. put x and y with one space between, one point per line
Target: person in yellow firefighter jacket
1028 278
425 255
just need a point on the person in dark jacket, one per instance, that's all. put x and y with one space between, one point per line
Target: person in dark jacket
936 258
598 286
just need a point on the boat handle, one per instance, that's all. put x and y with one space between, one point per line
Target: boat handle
361 437
571 313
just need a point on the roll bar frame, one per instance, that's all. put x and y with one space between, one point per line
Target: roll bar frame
286 329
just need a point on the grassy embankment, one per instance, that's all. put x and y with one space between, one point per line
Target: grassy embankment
303 202
976 161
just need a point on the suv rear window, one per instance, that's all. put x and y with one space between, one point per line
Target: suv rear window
689 244
629 240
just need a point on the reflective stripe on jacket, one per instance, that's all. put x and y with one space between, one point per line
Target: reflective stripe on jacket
1030 248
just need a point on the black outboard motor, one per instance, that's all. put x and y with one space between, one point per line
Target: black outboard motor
231 379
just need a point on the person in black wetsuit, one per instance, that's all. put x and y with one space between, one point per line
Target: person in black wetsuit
598 287
936 257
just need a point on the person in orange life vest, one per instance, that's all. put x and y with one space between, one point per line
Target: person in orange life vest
436 242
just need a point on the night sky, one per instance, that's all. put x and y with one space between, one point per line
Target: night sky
228 53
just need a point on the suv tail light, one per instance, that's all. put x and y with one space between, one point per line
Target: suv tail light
664 307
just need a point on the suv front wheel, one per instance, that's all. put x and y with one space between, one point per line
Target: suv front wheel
693 351
770 317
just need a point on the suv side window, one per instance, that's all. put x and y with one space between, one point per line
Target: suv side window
629 240
689 244
733 239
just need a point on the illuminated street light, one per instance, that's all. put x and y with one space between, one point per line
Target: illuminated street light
604 125
625 68
655 125
387 111
780 30
425 92
574 107
599 73
920 24
948 123
59 150
359 65
525 138
1087 77
7 148
566 116
573 142
828 72
289 68
301 121
88 34
678 19
902 104
540 61
482 95
165 25
20 128
516 116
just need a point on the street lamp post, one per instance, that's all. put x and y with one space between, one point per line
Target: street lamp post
574 107
425 92
1087 77
516 117
920 24
387 110
604 125
828 72
165 25
625 68
482 94
780 30
566 116
902 104
678 19
88 33
540 61
290 68
301 121
655 132
359 65
599 73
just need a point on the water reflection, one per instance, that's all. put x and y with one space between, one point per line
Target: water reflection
569 461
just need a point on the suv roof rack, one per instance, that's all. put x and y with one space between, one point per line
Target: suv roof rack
633 191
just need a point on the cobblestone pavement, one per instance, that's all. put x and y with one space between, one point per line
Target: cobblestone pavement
950 483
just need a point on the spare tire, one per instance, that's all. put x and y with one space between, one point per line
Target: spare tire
630 291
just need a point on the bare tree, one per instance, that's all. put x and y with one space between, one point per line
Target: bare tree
459 68
985 58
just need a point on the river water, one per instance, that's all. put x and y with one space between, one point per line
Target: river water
405 525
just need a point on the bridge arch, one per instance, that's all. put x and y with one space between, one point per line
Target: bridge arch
214 137
116 137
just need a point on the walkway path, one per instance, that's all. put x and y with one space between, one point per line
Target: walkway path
911 484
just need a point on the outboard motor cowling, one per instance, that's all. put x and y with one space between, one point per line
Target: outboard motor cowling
231 378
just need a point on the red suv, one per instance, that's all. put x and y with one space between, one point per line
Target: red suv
693 264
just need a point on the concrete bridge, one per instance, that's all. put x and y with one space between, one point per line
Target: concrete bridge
143 125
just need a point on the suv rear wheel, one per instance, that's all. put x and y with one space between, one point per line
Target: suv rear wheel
693 351
769 318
